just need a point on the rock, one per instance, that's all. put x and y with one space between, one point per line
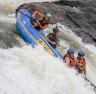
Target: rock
78 15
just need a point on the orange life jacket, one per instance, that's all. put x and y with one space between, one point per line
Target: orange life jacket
72 62
82 63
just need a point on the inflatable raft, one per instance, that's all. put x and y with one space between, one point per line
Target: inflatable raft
30 34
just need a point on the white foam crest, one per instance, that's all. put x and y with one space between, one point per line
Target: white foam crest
33 71
91 47
30 70
67 30
7 19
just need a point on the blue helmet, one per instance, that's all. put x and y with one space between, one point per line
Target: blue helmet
70 51
81 53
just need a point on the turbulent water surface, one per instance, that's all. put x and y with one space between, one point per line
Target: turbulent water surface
27 70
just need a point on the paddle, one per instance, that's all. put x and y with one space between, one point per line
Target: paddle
9 5
63 48
12 7
91 83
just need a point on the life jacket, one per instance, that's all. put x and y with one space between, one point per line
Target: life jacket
72 62
82 62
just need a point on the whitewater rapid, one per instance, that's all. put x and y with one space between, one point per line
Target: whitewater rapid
27 70
33 71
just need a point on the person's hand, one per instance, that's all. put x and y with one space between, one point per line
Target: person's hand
33 15
86 78
81 68
53 43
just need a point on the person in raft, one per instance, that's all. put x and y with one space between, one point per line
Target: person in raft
70 59
42 20
52 38
81 63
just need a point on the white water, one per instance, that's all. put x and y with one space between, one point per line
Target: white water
33 71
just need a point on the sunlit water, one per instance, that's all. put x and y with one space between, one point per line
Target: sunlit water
26 70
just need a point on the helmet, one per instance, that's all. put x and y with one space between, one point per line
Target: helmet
81 53
56 29
48 15
70 51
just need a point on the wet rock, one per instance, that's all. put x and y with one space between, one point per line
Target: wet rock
85 19
78 15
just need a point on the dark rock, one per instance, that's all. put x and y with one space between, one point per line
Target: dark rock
77 15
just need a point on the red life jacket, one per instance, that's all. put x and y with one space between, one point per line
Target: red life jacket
81 62
72 62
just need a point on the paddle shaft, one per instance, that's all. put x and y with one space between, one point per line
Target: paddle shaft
62 46
90 83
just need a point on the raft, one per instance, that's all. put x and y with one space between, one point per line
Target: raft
30 34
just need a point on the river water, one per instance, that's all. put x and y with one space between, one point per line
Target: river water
27 70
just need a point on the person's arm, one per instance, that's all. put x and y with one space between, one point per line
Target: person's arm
37 12
85 72
84 68
76 61
48 40
67 61
79 64
41 25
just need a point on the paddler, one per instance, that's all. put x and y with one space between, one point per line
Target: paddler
70 59
52 38
81 63
42 20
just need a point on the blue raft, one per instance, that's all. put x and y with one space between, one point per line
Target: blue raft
30 34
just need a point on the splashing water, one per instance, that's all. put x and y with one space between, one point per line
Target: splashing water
26 71
33 71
